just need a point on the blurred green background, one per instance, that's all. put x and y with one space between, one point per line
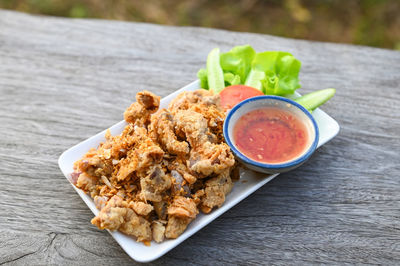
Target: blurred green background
366 22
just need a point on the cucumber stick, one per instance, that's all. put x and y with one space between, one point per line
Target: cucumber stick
314 99
215 75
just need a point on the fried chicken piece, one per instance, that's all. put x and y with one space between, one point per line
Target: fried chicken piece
160 208
93 163
87 182
119 145
112 215
158 230
82 165
205 103
181 212
211 158
215 117
179 166
100 202
136 226
162 126
141 208
183 207
193 125
198 195
139 112
116 215
186 99
148 100
176 226
136 113
139 159
205 157
100 163
154 184
215 191
180 187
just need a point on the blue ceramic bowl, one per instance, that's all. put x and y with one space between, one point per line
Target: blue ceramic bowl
277 102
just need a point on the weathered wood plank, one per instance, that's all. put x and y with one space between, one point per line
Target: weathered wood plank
63 80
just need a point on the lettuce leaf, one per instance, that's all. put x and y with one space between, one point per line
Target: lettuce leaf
238 61
231 79
281 73
255 78
275 73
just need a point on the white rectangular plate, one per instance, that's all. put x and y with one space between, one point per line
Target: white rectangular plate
328 128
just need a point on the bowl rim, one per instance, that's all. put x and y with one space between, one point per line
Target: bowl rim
277 166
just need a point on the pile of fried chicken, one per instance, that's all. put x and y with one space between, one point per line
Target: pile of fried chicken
151 180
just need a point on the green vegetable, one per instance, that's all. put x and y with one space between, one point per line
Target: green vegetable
238 61
202 75
275 73
254 79
315 99
215 75
281 71
272 72
231 79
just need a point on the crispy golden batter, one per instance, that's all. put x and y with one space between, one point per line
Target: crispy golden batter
146 154
139 112
154 184
158 231
150 181
176 226
186 100
136 226
162 127
112 216
206 156
215 190
183 207
141 208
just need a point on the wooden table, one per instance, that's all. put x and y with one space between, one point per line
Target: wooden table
63 80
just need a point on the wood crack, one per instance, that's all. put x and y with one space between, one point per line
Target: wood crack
18 258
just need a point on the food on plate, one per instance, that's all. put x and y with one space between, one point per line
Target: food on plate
270 72
315 99
150 181
232 95
270 135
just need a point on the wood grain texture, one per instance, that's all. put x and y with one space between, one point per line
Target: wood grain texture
64 80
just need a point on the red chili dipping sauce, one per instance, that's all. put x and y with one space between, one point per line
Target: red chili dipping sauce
270 135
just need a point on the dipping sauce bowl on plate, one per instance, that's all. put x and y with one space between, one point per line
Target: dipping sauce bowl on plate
271 134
